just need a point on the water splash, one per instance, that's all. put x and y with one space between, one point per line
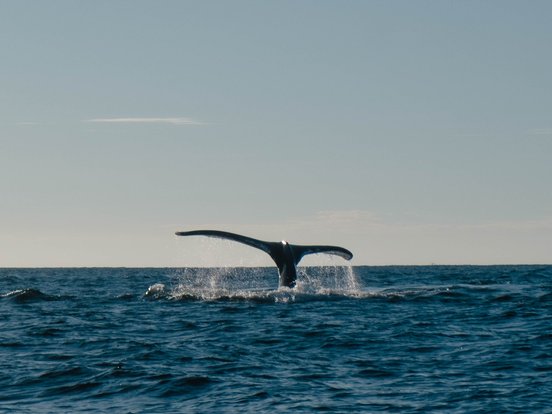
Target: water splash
156 291
257 284
322 279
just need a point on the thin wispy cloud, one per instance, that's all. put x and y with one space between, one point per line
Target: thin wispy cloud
540 131
146 120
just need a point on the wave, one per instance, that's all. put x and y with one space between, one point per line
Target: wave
29 295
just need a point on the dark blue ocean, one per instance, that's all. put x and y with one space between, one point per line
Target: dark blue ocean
443 339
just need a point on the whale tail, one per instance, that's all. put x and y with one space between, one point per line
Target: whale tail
300 251
286 256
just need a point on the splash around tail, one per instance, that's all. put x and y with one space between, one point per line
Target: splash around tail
257 285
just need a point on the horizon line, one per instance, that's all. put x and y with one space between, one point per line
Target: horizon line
268 266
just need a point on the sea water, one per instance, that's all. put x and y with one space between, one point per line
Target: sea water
458 339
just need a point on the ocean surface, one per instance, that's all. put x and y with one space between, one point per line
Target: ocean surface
443 339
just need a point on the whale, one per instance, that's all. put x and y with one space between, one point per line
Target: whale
286 256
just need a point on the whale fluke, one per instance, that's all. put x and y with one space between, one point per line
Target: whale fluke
286 256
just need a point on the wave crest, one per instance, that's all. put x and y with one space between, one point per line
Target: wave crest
28 295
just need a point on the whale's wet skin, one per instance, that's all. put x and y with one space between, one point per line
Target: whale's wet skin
367 339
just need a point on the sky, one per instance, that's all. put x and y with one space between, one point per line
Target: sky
410 132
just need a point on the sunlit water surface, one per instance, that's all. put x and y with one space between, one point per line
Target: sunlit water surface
364 339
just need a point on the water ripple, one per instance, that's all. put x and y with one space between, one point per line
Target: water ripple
398 339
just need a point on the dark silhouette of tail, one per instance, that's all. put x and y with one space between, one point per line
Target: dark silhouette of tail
286 256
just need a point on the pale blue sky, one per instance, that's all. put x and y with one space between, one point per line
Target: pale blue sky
410 132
